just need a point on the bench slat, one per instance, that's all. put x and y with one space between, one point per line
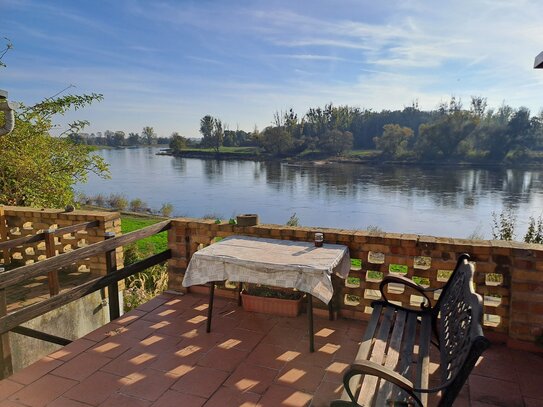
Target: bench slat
365 347
423 365
406 355
367 391
392 357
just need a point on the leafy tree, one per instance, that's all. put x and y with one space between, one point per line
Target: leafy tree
478 106
133 139
217 135
336 141
178 142
276 141
4 51
230 139
212 132
37 169
393 141
317 121
441 137
206 129
118 139
148 133
76 138
509 134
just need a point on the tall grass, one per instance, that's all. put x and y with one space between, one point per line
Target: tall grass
144 286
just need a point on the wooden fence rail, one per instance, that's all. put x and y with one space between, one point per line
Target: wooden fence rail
23 273
50 267
10 321
38 237
50 251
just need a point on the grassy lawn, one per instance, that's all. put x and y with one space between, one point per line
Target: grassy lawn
236 150
159 242
363 153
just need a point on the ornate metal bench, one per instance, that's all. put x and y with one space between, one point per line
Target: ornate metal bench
392 367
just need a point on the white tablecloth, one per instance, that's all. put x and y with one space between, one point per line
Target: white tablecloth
280 263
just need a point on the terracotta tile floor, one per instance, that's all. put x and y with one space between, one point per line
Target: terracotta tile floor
160 355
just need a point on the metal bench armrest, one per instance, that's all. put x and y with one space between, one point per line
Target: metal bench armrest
424 306
367 367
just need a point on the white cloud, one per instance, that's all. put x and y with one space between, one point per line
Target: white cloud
310 57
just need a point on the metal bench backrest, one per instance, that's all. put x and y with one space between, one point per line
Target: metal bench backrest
457 324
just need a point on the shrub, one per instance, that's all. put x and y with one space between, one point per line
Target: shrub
374 229
146 285
534 234
137 205
265 291
117 201
81 199
166 209
293 220
212 216
99 200
503 227
476 234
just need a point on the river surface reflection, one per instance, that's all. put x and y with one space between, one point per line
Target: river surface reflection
451 201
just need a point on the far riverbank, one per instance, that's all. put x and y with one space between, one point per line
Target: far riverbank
366 157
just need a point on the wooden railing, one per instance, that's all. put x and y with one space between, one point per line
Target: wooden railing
12 321
48 237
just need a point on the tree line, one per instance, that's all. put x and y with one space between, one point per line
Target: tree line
452 132
119 138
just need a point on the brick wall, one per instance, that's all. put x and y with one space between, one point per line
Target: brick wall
509 275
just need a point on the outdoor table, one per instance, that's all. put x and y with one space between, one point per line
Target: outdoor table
273 262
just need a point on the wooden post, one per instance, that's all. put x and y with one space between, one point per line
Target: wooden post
6 366
4 236
50 251
113 289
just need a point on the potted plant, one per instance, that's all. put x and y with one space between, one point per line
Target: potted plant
275 301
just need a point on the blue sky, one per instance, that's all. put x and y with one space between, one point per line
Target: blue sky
168 63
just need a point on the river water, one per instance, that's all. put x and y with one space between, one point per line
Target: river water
437 201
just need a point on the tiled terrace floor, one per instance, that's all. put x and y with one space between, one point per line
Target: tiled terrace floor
160 355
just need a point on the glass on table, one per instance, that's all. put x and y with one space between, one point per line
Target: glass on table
319 239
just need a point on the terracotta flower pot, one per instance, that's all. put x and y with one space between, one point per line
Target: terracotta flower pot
269 305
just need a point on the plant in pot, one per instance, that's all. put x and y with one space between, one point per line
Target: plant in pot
268 300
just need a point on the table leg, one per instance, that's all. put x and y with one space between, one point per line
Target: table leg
310 319
335 302
240 288
210 307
